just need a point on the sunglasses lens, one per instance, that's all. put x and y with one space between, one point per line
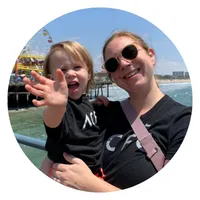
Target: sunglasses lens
111 65
130 52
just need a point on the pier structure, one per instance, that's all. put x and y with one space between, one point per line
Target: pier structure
19 97
97 90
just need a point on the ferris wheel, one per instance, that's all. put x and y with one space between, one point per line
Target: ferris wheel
33 54
39 44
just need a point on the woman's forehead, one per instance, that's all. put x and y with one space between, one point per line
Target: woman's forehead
117 44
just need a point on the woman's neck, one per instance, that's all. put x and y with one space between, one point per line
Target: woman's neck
145 99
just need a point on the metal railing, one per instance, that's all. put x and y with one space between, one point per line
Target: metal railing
29 141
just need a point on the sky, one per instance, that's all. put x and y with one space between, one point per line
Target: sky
91 27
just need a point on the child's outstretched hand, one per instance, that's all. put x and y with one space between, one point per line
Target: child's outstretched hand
101 100
53 92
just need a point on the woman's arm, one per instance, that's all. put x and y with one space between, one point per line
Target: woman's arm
179 129
98 185
78 175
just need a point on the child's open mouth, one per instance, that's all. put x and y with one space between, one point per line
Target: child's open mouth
73 86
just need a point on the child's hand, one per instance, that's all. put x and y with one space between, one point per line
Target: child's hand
53 92
101 100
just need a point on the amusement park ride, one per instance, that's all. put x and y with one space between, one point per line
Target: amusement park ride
30 58
33 54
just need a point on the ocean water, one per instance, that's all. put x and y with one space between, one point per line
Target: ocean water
29 121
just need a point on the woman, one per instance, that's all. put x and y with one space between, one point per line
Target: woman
130 63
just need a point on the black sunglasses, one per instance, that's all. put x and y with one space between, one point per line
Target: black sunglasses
129 52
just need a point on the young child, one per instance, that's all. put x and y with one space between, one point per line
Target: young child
69 118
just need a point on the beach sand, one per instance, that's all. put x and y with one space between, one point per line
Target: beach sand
164 81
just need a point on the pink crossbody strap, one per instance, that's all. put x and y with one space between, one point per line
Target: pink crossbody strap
145 138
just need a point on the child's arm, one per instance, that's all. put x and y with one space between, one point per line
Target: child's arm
46 166
52 116
54 94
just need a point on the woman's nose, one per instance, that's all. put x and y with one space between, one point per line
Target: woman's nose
123 63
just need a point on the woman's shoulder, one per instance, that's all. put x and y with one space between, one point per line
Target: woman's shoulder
167 111
175 107
167 105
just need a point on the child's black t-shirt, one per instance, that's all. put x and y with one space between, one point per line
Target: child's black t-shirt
77 134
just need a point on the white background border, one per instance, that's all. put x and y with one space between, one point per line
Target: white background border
20 20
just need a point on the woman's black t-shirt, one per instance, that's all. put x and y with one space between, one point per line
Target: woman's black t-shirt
125 163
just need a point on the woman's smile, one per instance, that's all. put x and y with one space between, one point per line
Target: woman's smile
131 74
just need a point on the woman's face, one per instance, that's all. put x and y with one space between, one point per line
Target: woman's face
131 75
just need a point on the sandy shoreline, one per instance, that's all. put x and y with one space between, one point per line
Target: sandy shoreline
168 81
163 81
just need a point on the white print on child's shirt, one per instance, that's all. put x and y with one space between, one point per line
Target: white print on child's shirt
91 119
128 141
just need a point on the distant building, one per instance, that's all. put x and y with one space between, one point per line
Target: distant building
178 74
187 75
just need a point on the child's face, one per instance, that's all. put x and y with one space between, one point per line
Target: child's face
76 73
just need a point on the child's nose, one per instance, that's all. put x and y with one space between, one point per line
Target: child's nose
70 74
